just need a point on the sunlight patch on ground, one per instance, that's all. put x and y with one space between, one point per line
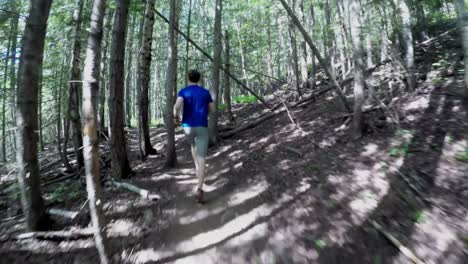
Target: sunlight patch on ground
235 200
328 142
219 152
435 237
123 227
419 104
123 205
259 142
370 149
242 229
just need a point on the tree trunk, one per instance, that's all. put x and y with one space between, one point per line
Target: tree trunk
293 76
408 39
241 50
187 47
227 84
90 138
463 28
104 76
30 68
41 138
144 79
128 79
325 67
358 68
120 164
171 80
63 154
213 121
13 83
303 46
4 98
75 85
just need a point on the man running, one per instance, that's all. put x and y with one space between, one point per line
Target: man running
197 103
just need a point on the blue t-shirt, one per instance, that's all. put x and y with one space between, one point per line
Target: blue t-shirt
196 100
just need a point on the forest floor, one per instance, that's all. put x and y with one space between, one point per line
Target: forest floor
305 193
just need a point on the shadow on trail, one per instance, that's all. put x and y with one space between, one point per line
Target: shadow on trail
365 244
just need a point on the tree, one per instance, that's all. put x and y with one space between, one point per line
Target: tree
463 28
90 138
75 83
227 83
408 42
30 67
309 41
144 79
120 164
213 121
171 80
358 67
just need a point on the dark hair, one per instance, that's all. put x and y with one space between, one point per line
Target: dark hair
194 76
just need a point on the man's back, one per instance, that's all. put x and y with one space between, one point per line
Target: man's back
196 109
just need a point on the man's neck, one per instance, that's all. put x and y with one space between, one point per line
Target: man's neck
192 83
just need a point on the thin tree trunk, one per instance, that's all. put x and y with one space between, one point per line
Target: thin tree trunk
128 79
358 68
41 128
63 154
104 76
75 85
13 80
303 46
171 80
187 47
227 84
4 98
293 59
120 164
463 29
90 138
408 39
30 68
4 155
144 79
241 50
325 67
213 121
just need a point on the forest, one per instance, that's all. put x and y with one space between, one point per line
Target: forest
339 131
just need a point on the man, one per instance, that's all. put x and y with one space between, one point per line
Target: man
197 104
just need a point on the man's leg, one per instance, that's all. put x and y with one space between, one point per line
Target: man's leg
201 144
194 157
201 172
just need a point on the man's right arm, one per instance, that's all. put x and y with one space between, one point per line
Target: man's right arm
211 107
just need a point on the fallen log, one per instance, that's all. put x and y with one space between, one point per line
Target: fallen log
130 187
62 213
56 235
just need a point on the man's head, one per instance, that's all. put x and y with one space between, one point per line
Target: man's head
194 76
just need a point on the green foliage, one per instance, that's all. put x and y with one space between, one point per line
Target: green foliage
222 107
63 193
378 259
245 99
312 168
462 155
399 151
320 244
419 217
465 240
157 123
